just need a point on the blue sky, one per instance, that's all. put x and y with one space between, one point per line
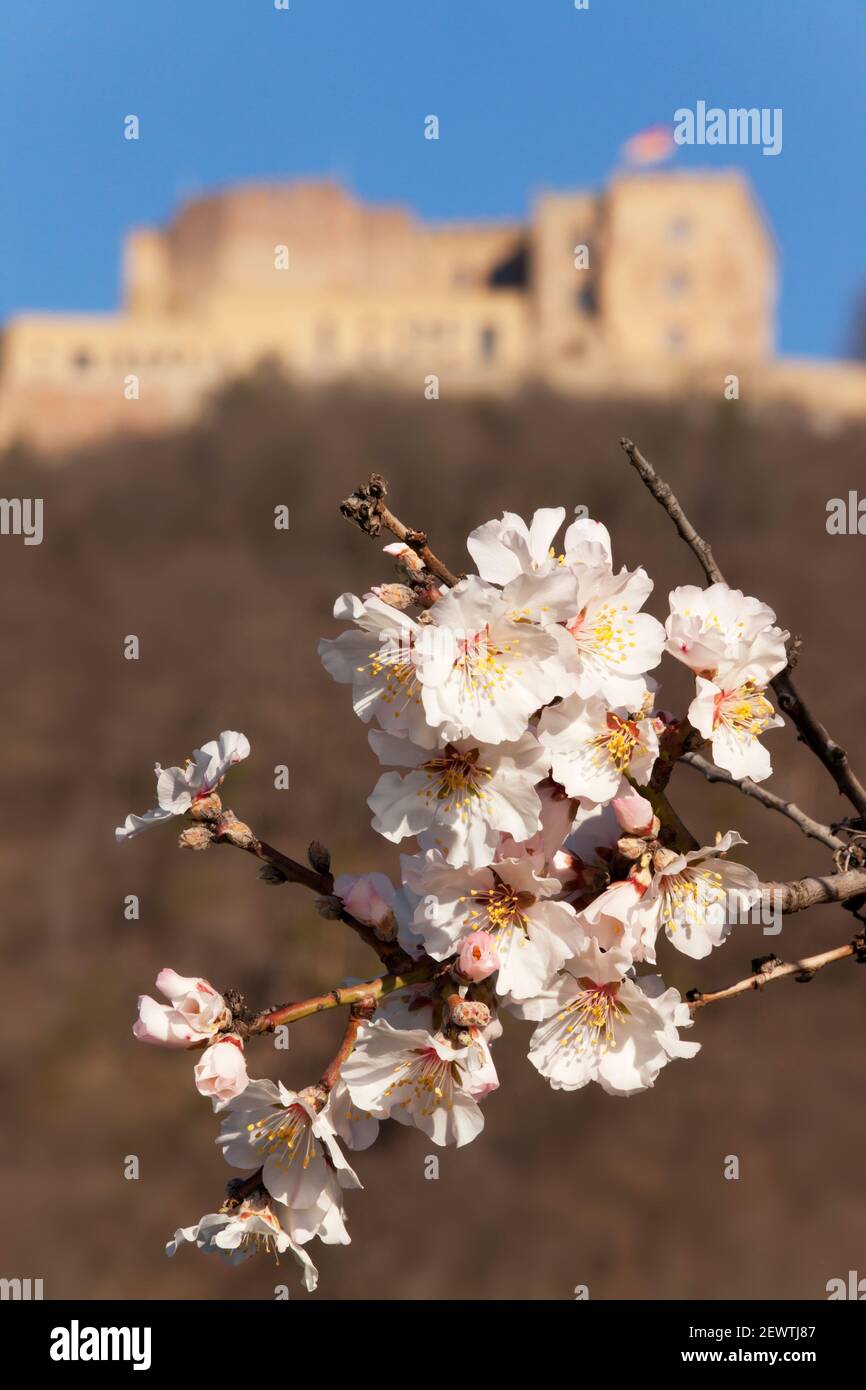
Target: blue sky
531 94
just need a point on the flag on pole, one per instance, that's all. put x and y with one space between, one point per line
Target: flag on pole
651 146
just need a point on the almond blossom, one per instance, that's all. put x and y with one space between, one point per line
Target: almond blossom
459 798
513 717
378 659
222 1071
177 788
484 672
251 1229
370 898
195 1011
504 549
509 902
694 897
718 628
302 1164
592 746
733 712
421 1078
606 643
600 1025
609 920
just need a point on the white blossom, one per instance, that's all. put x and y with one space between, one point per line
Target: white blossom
504 549
484 668
602 1026
421 1078
178 787
716 629
459 798
733 712
302 1164
606 644
195 1012
694 898
379 659
532 933
592 746
250 1229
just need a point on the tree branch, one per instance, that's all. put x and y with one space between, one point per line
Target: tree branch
367 991
213 825
810 731
809 827
366 507
811 892
769 969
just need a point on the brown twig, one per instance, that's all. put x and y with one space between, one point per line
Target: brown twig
366 507
811 892
809 827
213 825
358 1014
368 990
238 1189
810 731
764 972
818 741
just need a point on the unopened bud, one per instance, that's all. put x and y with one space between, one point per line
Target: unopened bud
427 594
629 847
319 857
663 858
369 897
478 957
407 560
195 837
268 873
329 908
469 1013
395 595
634 814
205 807
228 827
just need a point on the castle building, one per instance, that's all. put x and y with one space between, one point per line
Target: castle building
661 282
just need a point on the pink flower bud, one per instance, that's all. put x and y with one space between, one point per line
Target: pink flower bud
222 1071
478 957
370 898
406 556
195 1011
634 813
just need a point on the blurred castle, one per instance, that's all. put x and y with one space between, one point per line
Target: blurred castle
662 283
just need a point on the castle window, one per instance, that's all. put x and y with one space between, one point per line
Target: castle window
677 283
488 344
81 360
586 300
679 228
675 340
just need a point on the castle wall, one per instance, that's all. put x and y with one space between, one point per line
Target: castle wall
679 290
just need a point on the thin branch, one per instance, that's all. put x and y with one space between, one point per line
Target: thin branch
818 741
811 892
810 731
358 1014
666 498
213 825
366 507
368 990
238 1189
809 827
764 972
